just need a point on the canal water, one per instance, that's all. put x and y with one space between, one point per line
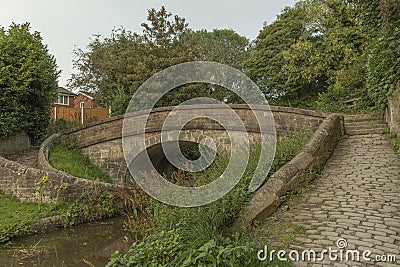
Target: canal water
94 243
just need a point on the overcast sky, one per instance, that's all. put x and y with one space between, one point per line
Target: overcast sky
67 24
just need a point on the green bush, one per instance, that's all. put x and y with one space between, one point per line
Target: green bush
28 82
90 206
165 248
383 68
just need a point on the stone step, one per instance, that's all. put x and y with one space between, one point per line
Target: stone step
377 130
362 117
371 121
365 125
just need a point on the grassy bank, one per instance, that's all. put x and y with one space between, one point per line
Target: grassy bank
67 158
72 161
16 217
193 236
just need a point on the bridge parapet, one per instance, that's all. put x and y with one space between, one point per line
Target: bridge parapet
101 141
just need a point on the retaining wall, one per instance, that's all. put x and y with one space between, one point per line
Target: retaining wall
20 181
14 144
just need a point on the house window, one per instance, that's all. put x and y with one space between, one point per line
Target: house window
82 104
63 100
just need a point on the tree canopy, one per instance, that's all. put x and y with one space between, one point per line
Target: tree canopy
316 54
114 67
28 82
307 50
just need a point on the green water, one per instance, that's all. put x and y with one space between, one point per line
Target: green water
94 242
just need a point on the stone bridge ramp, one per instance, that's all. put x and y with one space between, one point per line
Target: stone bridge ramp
356 198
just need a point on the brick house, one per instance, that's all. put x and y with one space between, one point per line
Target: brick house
65 98
82 99
78 107
69 99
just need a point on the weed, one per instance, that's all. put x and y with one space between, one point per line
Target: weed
41 190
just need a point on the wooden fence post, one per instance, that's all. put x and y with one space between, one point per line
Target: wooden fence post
82 114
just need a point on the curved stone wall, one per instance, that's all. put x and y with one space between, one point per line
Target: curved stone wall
20 181
101 141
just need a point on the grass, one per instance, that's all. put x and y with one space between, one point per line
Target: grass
15 217
193 236
72 161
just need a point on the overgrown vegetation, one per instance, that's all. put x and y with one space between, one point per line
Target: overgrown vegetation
395 143
316 55
177 236
59 125
17 217
383 75
114 67
319 53
72 161
28 82
91 206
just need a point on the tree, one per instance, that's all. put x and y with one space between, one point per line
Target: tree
267 58
28 82
116 66
308 51
113 68
220 45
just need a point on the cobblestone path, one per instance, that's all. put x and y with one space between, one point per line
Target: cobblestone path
356 199
27 158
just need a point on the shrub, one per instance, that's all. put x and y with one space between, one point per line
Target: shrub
28 82
383 75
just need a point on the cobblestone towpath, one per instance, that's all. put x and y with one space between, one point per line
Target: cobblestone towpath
353 205
27 158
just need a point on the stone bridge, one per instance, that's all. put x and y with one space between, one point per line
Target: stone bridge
101 141
355 196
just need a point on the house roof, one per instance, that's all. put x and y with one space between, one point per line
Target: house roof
62 90
85 94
